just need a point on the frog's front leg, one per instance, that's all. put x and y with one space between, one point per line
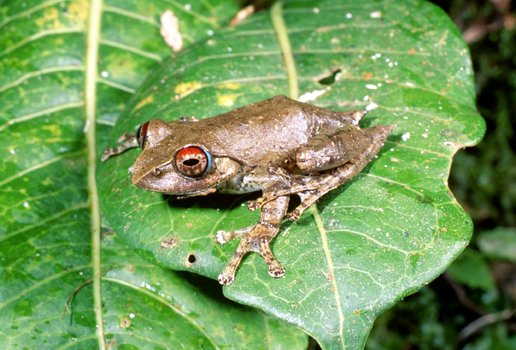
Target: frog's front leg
126 141
256 238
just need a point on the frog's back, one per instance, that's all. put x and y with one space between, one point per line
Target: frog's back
270 130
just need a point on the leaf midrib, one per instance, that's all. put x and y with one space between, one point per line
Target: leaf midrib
293 85
90 91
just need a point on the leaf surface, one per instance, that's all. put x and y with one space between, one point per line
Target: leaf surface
64 75
382 236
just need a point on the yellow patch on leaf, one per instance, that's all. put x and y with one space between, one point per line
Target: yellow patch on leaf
184 89
145 101
227 100
230 86
78 13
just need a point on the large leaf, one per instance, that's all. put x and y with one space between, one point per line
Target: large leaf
366 245
49 225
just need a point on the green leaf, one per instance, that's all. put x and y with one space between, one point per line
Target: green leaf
63 77
391 230
499 243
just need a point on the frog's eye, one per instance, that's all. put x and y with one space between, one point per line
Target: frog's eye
193 161
141 134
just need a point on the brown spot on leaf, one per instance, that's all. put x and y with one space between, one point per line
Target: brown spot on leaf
125 322
328 276
367 76
168 242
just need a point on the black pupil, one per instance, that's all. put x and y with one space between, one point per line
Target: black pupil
191 162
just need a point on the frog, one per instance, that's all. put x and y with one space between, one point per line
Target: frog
280 147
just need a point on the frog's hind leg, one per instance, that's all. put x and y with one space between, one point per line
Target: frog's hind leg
256 238
334 178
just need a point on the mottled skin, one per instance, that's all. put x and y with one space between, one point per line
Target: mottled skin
278 146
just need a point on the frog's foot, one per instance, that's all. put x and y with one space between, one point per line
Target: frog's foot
257 240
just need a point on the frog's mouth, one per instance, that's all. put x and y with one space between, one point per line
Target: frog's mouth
196 193
166 179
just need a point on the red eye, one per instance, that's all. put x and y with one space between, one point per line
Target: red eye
193 161
141 134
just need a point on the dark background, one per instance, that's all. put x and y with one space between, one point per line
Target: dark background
473 305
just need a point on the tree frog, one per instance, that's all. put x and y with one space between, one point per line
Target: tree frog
278 146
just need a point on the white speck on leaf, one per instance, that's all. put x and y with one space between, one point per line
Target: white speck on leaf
312 95
241 15
170 30
131 315
371 86
406 136
104 74
26 205
376 14
371 106
315 10
349 15
425 135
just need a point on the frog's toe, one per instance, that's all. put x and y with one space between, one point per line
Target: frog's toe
253 205
276 270
225 279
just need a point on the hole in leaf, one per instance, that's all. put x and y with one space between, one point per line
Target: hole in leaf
191 258
329 79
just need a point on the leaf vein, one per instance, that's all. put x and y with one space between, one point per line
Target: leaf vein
29 11
39 73
58 108
38 36
131 49
38 166
129 14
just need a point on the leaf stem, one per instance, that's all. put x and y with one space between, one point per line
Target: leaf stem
284 43
93 31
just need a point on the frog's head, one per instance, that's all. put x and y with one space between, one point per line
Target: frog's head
174 165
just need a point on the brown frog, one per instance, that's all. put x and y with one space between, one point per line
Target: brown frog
279 146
